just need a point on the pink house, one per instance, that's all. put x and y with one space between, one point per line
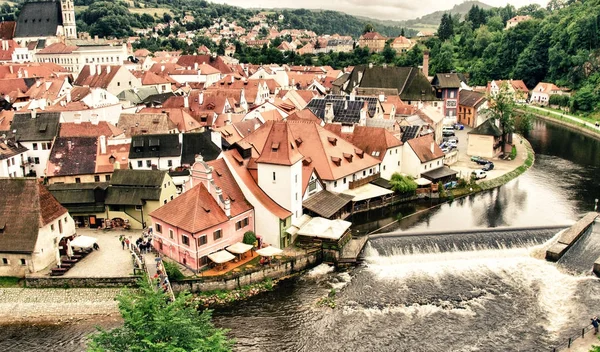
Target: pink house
211 215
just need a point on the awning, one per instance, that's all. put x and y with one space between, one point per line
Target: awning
326 204
422 181
83 242
325 228
438 174
239 248
269 251
367 191
221 257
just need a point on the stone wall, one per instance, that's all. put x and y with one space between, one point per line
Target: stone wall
274 271
81 282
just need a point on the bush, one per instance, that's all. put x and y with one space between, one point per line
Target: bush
403 184
249 238
462 183
513 153
173 271
560 100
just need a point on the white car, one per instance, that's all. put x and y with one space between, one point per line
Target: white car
479 174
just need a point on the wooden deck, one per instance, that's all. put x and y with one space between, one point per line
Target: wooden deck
352 250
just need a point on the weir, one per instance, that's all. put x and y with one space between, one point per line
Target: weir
569 237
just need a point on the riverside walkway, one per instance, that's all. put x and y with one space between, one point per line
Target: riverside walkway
567 116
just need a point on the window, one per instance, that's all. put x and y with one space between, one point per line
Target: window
23 261
36 161
66 219
45 146
171 197
296 195
5 261
158 228
241 224
118 84
138 207
170 163
344 180
202 240
185 240
334 183
165 201
171 233
60 226
364 172
217 234
296 179
35 146
383 167
77 180
107 178
148 163
140 163
274 177
96 178
51 227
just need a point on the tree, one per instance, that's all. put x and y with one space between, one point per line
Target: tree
152 323
585 99
524 124
368 28
249 238
446 28
501 108
388 53
403 184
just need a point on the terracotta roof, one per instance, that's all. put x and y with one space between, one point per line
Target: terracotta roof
32 70
373 141
6 118
184 121
401 41
25 206
271 115
46 89
58 48
422 146
7 49
372 36
141 53
21 85
548 88
304 115
136 124
100 79
120 158
194 211
218 63
150 78
239 167
7 29
225 180
280 146
10 148
471 98
87 129
78 93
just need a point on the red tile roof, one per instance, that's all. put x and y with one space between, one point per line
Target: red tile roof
101 79
58 48
184 121
425 148
374 141
87 129
225 180
194 211
6 117
372 36
280 147
31 70
218 63
7 49
7 29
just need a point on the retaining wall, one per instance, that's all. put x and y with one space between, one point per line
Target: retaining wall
569 237
274 271
81 282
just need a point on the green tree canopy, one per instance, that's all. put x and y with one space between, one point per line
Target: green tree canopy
154 324
403 184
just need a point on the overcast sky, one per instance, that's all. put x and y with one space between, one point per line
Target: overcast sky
382 9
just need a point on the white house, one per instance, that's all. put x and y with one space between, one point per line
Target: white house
74 58
113 78
32 225
542 92
421 155
87 104
13 159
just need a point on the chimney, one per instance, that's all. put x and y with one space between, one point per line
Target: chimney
196 66
102 145
108 69
382 98
70 145
227 207
25 73
180 138
201 98
48 84
38 83
329 115
92 70
99 70
426 63
370 65
162 68
432 144
11 69
33 114
96 39
228 120
186 102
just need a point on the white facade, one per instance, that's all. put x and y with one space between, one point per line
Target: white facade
283 184
92 54
108 113
208 79
39 153
21 55
314 186
68 16
14 166
164 163
44 253
412 165
391 163
343 183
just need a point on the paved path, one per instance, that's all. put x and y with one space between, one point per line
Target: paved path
567 116
584 344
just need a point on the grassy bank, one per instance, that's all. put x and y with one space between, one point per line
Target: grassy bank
10 281
211 299
499 181
545 115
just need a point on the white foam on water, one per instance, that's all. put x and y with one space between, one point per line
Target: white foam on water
320 270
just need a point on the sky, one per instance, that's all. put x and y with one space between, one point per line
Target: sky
381 9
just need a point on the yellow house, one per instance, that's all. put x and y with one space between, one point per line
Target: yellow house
372 40
485 140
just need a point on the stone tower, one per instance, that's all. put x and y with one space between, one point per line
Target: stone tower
68 17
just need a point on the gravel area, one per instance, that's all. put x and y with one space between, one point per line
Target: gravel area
53 304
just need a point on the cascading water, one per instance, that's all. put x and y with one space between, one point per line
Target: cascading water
580 258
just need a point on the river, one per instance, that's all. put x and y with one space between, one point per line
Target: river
475 292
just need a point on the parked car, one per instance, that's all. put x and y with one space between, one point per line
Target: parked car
479 174
475 158
447 131
452 143
487 167
446 150
459 126
482 161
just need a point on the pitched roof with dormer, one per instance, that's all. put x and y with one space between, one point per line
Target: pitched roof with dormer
425 148
279 147
373 141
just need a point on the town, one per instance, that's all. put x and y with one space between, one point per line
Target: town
224 149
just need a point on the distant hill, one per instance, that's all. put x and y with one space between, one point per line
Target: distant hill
435 18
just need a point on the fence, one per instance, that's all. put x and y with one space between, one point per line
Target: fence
569 342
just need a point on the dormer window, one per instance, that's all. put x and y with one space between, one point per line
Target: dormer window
274 147
336 160
348 157
332 140
359 153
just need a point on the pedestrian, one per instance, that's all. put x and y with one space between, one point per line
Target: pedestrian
127 242
595 324
122 238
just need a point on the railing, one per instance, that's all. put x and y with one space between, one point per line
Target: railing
569 342
363 181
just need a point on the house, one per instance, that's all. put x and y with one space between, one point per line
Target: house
47 92
163 83
155 151
513 22
471 108
374 41
84 201
182 120
85 159
516 88
346 110
377 142
145 123
134 194
13 159
401 44
113 78
409 83
447 87
212 215
31 225
85 104
73 58
208 144
542 92
421 155
485 140
36 132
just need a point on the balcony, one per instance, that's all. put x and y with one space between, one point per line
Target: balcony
363 181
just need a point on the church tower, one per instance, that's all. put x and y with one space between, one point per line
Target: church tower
68 17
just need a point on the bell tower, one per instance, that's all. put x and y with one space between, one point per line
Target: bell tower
68 17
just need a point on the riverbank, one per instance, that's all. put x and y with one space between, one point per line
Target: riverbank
572 122
54 305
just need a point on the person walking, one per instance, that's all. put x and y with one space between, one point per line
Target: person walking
595 324
122 238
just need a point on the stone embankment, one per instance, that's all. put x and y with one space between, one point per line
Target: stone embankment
55 305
